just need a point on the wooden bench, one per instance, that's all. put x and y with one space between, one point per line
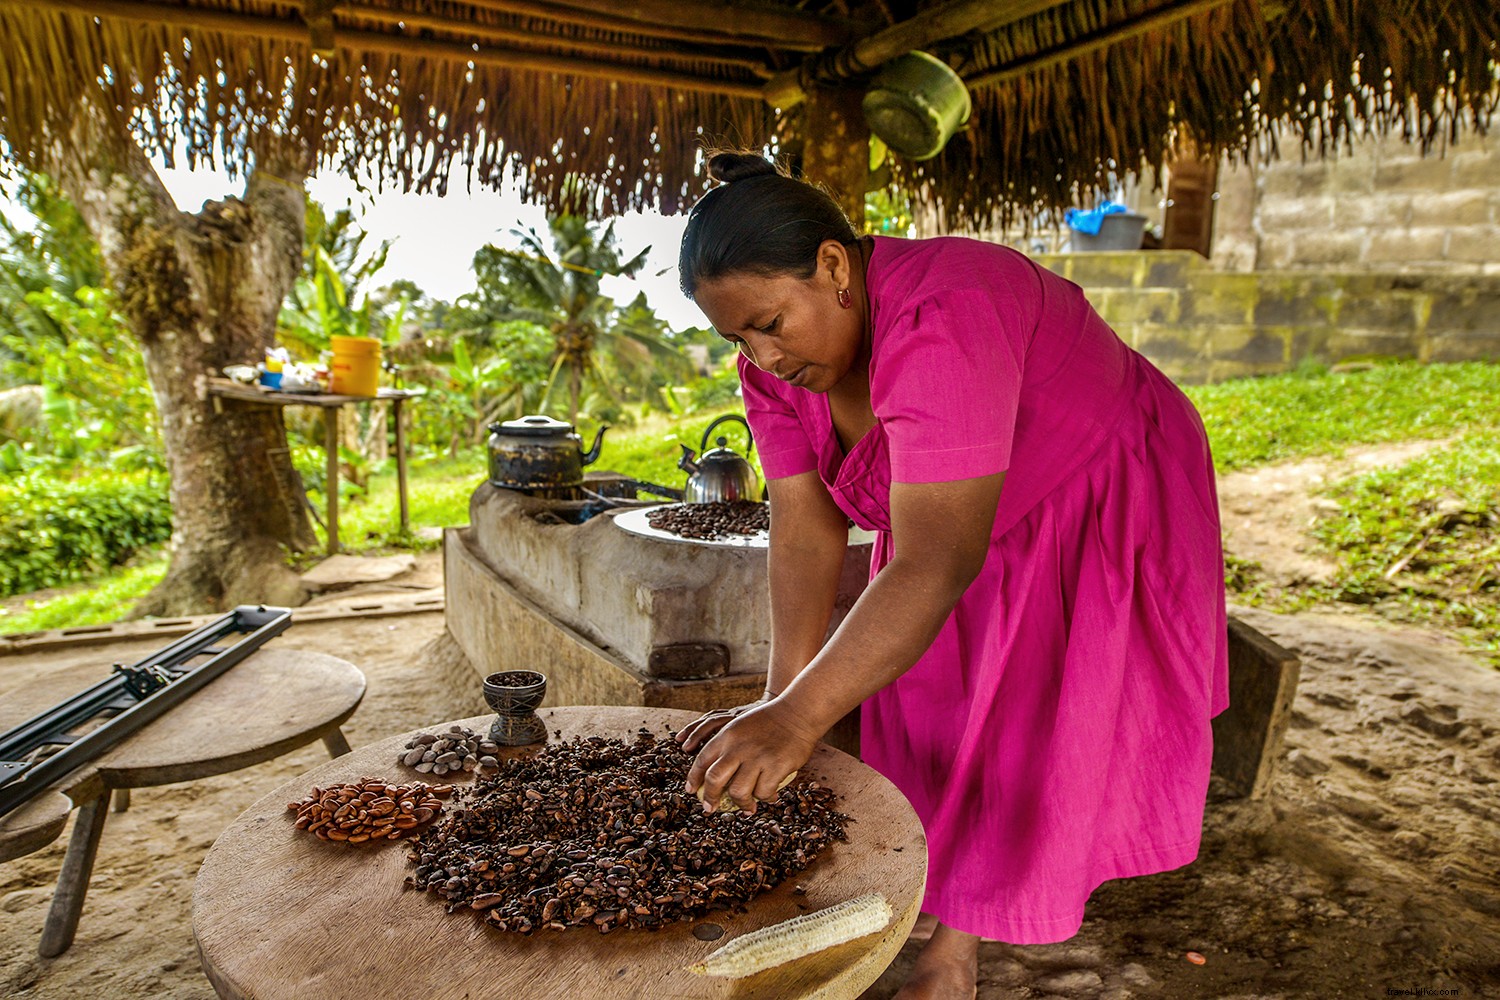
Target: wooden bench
1247 736
274 702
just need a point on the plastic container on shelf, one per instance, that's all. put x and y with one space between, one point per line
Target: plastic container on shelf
355 366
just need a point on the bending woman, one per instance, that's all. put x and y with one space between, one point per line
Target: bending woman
1042 642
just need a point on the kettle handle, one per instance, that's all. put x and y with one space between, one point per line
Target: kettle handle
749 437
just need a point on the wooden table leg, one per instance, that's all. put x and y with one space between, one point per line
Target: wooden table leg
336 744
331 484
401 466
73 880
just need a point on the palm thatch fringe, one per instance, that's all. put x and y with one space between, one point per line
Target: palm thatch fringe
601 108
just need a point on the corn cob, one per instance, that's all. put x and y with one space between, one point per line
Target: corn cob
791 939
726 804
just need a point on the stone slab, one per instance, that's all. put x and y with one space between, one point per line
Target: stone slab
346 571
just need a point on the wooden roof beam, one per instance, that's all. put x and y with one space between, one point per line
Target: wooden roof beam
713 23
1103 38
951 20
584 46
296 32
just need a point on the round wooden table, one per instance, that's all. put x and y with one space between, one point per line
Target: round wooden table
278 913
274 702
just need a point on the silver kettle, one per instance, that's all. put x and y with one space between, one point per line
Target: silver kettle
721 474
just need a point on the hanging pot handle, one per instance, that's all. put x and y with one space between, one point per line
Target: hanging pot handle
749 438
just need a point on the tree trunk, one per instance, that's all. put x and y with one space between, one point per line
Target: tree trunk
201 292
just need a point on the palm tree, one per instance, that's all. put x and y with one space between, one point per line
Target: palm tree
559 291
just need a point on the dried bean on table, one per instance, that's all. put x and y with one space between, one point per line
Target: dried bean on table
458 749
369 809
600 833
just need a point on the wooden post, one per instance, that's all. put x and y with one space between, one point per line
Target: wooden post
396 411
331 483
73 881
1247 736
836 152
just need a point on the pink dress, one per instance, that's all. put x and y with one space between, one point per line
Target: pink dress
1056 734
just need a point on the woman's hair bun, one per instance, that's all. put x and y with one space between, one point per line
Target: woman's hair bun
728 167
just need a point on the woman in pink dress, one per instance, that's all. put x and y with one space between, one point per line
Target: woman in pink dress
1042 642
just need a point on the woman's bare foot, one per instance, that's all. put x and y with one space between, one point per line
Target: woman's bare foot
947 968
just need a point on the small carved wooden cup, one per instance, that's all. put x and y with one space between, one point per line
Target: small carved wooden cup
515 695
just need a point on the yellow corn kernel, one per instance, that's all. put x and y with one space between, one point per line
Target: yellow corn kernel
778 944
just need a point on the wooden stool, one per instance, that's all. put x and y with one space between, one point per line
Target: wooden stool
272 703
1247 735
279 913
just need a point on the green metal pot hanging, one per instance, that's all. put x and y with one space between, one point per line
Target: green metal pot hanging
915 104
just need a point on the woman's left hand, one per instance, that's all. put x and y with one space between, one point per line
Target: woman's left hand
750 756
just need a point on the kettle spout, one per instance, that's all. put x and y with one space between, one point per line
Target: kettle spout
686 463
592 454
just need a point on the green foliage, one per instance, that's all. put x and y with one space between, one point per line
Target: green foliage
1423 540
99 407
51 251
59 329
101 599
1313 411
651 451
596 348
54 532
322 301
888 212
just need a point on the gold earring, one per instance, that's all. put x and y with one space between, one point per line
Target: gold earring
845 299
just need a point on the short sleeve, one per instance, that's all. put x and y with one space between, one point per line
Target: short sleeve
782 441
946 385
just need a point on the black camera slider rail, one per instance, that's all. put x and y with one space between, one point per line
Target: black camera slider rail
132 697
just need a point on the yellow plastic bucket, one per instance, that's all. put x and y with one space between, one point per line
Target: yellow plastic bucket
355 367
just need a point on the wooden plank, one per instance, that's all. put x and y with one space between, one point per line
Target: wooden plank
1188 222
230 389
279 913
775 27
1247 736
609 48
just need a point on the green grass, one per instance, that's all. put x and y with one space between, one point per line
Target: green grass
437 497
1257 421
1421 542
1443 509
106 598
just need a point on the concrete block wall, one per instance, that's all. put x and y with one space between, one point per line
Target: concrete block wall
1376 203
1202 325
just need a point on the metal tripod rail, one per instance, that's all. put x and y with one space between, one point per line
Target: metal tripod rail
132 697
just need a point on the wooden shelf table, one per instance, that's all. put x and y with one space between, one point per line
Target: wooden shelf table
274 702
331 405
279 913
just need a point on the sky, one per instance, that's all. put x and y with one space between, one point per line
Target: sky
435 237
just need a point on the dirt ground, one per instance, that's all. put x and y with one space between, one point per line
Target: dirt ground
1371 868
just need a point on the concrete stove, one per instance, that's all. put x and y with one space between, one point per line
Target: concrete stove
613 616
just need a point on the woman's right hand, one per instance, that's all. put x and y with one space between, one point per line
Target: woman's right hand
702 729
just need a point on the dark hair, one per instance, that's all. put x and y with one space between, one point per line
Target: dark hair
757 220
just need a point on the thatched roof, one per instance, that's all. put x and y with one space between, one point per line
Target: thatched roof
624 93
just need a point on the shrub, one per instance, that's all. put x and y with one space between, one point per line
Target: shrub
54 532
